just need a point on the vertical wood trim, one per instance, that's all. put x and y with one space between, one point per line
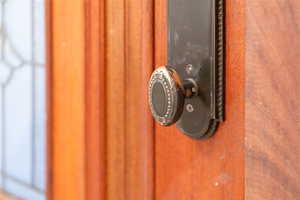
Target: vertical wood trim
139 124
79 43
65 68
116 86
101 97
49 141
161 39
95 99
129 125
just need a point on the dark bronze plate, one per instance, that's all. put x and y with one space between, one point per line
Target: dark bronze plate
196 51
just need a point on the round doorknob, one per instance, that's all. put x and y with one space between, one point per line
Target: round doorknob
166 96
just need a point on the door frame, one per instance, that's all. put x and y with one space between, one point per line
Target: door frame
75 84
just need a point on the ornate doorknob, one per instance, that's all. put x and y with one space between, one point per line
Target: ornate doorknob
165 96
167 93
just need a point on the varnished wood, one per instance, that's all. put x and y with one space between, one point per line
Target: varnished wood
115 78
100 130
129 37
66 102
95 100
76 95
49 128
139 42
211 169
272 100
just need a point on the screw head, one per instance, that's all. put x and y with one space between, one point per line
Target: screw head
190 108
189 68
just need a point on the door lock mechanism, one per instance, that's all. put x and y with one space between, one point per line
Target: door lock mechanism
189 90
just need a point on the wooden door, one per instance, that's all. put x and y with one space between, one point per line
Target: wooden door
103 143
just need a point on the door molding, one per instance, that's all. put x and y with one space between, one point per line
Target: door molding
100 131
66 99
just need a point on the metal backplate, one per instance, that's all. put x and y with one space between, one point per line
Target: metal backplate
196 51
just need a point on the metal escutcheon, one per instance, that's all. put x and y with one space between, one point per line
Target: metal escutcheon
189 90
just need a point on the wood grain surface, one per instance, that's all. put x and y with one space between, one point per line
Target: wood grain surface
95 100
100 137
66 102
129 45
272 100
211 169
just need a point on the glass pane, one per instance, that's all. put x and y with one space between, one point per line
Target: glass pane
22 98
